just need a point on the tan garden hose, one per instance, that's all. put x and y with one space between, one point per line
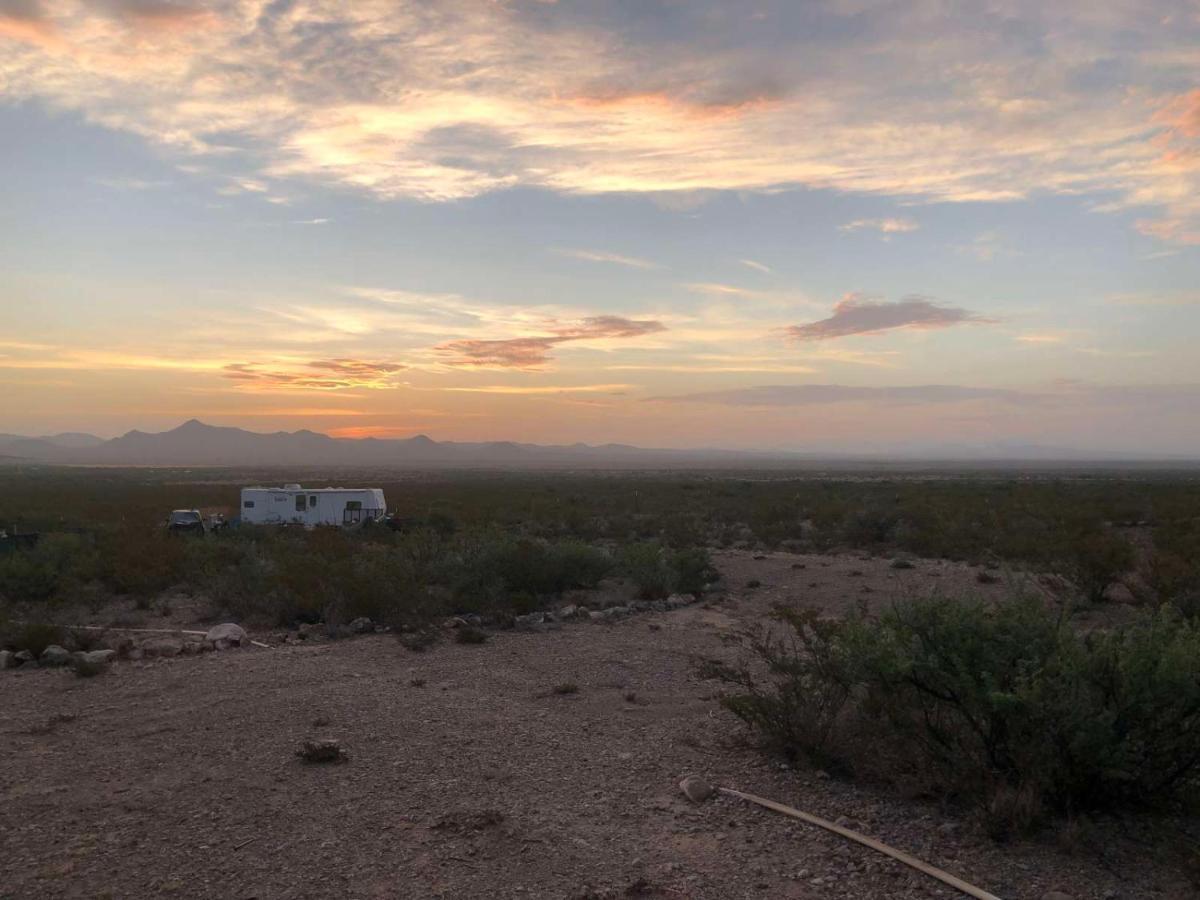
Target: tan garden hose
969 889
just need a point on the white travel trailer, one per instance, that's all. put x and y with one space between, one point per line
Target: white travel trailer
295 505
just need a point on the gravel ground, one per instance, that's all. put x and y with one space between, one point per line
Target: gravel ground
469 776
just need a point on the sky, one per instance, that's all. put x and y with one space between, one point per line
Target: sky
855 225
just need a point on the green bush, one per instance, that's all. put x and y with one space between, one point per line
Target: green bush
499 572
658 572
1005 706
648 566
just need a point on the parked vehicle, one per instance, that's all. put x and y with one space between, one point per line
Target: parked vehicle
185 521
296 505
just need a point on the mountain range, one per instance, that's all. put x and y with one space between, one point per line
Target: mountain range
195 443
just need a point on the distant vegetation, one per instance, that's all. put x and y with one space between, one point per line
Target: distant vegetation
481 542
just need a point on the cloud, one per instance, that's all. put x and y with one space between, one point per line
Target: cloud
608 327
856 314
756 265
452 100
511 353
601 256
533 352
885 226
322 374
521 390
819 394
718 289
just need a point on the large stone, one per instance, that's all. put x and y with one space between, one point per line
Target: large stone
55 655
163 646
99 656
8 660
696 788
233 635
677 601
24 656
531 622
362 625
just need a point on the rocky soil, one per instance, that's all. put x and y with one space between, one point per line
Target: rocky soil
537 764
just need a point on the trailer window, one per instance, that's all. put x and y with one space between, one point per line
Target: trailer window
299 503
248 504
312 501
353 504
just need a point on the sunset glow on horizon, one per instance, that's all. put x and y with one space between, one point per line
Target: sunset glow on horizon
852 225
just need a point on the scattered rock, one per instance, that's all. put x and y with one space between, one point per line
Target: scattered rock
8 660
226 635
312 632
675 601
568 612
531 622
55 655
99 657
326 750
696 788
164 646
362 625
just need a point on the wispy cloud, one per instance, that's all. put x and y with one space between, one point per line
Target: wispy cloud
322 374
533 352
884 226
855 314
600 256
756 266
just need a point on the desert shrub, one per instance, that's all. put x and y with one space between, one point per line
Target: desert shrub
869 527
498 571
648 566
141 561
56 567
34 637
659 572
1095 561
1004 706
693 568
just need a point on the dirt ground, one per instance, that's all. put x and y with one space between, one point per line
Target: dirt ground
469 776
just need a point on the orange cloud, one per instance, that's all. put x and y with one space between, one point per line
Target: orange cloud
533 352
342 373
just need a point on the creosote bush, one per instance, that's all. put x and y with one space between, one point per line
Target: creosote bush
1006 707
